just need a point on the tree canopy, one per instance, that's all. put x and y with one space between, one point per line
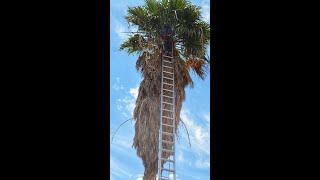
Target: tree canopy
191 33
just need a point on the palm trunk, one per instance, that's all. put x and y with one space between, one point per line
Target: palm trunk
147 110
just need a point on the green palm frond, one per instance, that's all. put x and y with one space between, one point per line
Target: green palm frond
134 44
192 34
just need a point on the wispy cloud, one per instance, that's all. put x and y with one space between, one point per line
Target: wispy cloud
119 107
202 163
170 176
207 117
134 92
123 154
117 86
118 26
139 176
206 10
181 159
123 141
199 134
118 169
129 100
120 30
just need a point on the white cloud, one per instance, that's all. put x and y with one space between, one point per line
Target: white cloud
119 107
206 10
120 29
129 101
199 134
118 169
180 156
207 117
117 86
198 155
181 159
139 177
125 114
134 92
202 163
121 141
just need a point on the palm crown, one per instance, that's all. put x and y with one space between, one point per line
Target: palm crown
191 34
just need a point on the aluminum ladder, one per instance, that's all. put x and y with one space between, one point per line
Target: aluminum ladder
166 165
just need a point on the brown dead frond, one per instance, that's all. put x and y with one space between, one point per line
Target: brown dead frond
197 65
147 109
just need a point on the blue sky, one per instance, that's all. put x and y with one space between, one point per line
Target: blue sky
192 162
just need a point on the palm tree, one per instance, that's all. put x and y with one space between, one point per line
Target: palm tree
191 37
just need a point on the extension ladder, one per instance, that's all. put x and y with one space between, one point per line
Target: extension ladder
166 156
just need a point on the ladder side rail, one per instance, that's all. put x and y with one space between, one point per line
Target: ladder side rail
174 117
160 129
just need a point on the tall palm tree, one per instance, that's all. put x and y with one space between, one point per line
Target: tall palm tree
191 37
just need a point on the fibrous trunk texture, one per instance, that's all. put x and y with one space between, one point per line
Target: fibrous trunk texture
147 109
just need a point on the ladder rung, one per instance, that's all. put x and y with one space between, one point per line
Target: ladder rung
167 78
168 142
170 170
168 84
167 67
167 61
167 96
167 72
167 103
166 133
167 56
167 90
167 160
167 150
167 117
167 125
167 110
170 103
